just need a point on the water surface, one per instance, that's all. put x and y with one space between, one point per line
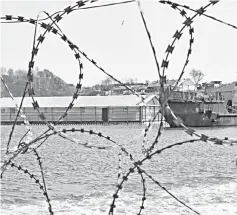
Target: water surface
82 181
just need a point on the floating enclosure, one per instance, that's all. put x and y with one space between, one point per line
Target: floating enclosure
85 114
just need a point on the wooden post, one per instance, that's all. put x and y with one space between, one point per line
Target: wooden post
154 111
80 114
218 105
108 114
145 114
52 110
140 114
127 114
95 115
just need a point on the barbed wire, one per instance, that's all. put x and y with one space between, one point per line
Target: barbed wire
149 36
165 62
176 5
27 147
29 133
35 50
37 181
169 50
138 165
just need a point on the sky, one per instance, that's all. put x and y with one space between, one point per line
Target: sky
116 39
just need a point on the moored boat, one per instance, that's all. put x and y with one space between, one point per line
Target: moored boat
202 112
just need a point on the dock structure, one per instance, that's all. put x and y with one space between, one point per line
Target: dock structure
86 109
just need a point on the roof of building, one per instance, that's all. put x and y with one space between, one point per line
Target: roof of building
147 99
154 84
216 82
157 83
183 82
187 82
82 101
223 88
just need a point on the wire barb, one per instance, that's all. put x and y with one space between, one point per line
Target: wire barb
29 145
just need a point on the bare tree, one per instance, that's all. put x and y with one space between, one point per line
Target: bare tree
130 81
147 82
10 72
3 71
196 76
107 81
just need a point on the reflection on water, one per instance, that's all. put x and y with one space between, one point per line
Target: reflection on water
82 181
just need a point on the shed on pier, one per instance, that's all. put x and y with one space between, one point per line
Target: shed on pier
122 108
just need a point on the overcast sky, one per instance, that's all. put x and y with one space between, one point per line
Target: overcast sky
116 39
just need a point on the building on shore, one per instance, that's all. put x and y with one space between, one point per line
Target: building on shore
184 85
86 109
227 92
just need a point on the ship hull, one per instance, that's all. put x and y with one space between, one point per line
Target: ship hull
199 114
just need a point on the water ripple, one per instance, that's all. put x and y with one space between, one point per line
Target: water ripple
82 181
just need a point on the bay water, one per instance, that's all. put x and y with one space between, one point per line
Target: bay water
82 181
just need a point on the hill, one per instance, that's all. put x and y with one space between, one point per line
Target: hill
45 83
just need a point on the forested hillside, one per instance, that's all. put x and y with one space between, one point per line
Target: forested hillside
45 83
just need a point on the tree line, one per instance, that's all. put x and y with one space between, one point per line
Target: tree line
45 83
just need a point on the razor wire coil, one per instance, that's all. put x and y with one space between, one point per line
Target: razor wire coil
29 146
